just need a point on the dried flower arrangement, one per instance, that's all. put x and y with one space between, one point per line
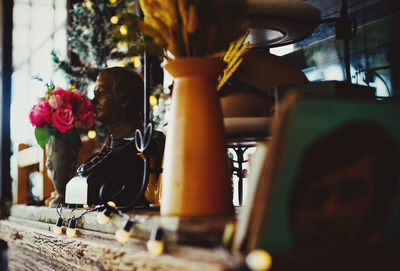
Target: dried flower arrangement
194 28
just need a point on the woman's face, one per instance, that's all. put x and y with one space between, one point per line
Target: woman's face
333 210
106 102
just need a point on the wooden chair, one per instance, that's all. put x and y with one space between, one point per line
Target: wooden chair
30 159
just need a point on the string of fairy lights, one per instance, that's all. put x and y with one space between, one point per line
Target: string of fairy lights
155 244
256 260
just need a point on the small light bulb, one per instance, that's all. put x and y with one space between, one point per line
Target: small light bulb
155 247
152 100
91 134
228 234
259 260
57 229
113 1
71 231
89 4
111 204
103 217
121 63
114 19
122 46
123 29
122 235
136 61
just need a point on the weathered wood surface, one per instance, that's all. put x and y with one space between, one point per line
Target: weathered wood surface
33 246
205 231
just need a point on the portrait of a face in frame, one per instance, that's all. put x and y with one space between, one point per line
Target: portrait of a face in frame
344 187
337 180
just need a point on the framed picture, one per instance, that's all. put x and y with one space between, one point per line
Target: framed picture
327 179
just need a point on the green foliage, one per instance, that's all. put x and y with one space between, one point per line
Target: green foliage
90 38
90 32
97 41
79 76
42 135
136 42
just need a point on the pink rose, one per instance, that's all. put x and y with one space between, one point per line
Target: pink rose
40 113
85 113
60 92
55 101
73 96
86 120
85 106
63 118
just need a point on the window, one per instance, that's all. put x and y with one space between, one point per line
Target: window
39 26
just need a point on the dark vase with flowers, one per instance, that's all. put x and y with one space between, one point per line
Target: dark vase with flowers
59 117
61 163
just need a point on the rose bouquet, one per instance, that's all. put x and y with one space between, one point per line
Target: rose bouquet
62 113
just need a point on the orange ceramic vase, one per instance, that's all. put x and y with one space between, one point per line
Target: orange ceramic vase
195 178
